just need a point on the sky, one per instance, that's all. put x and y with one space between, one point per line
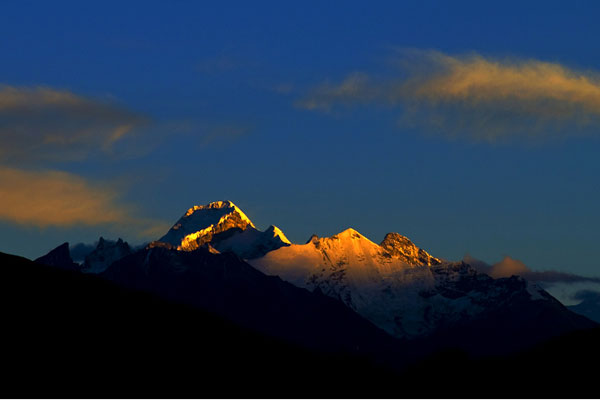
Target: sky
472 128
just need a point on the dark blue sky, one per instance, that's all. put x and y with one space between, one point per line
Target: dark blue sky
219 85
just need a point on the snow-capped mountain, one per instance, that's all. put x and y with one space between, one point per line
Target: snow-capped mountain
224 227
396 285
380 282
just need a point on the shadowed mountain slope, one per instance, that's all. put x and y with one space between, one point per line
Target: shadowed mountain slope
59 257
226 285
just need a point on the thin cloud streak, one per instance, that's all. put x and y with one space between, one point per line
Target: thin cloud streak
475 97
55 198
357 88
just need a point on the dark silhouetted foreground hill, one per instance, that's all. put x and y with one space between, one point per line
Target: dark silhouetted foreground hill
564 367
70 334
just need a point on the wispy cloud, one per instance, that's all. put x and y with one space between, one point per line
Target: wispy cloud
41 124
473 96
55 198
357 88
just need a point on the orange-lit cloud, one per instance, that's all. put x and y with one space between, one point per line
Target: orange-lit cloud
474 96
54 198
508 267
40 124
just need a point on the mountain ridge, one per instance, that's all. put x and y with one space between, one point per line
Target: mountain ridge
395 285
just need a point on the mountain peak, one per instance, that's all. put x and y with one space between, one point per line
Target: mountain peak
59 257
223 226
349 232
201 223
403 248
313 238
220 205
276 232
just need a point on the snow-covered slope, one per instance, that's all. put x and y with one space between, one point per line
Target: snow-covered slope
252 243
396 285
364 275
224 227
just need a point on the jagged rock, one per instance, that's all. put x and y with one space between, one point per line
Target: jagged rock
402 248
106 253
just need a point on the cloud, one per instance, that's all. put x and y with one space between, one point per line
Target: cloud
558 277
357 88
474 96
510 266
587 295
54 198
41 124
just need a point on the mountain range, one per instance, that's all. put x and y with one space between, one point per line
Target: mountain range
392 304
